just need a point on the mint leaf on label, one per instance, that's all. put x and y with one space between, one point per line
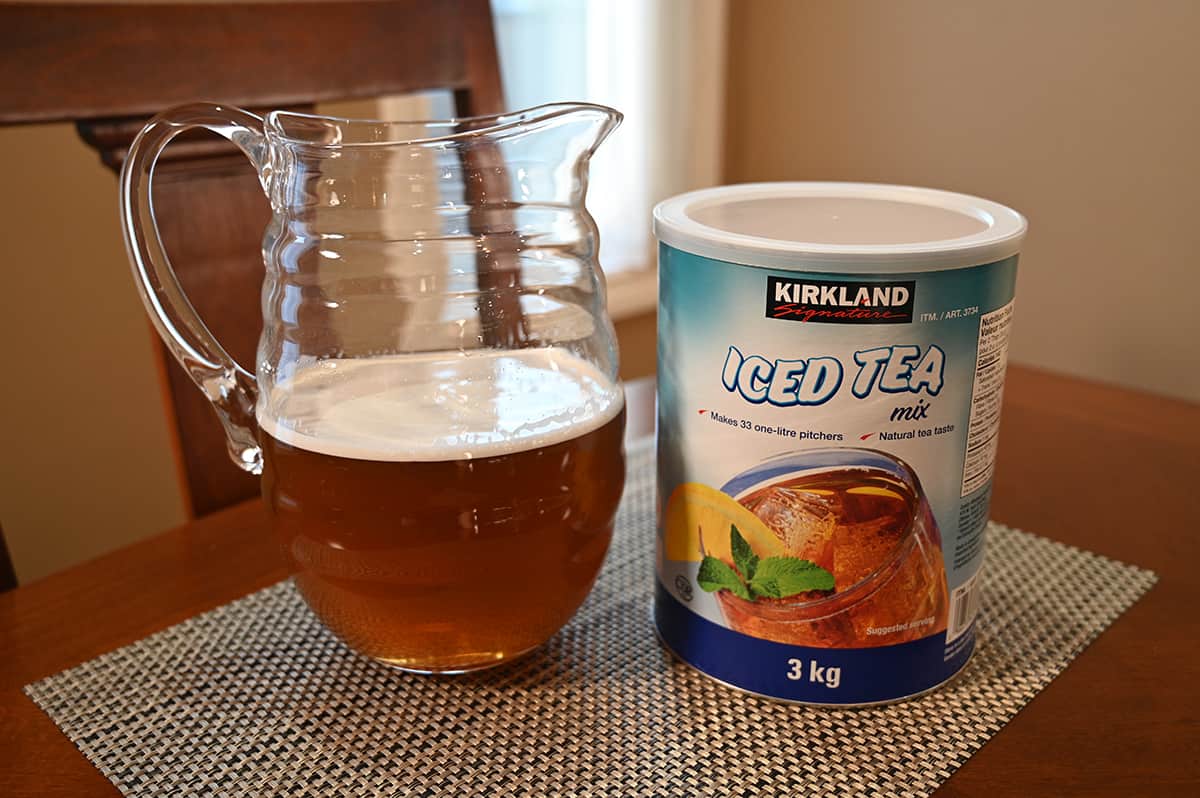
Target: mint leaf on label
780 577
774 577
743 556
716 575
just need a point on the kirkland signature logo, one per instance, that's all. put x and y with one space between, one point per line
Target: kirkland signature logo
840 302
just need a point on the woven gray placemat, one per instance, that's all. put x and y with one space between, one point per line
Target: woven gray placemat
255 698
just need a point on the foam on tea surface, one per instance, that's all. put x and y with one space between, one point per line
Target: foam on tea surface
440 406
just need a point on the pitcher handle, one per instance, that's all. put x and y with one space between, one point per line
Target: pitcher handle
230 388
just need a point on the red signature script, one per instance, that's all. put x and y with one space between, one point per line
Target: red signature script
805 313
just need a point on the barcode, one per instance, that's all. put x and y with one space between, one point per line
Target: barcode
964 604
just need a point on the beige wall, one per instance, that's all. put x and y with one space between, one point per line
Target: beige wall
1084 115
87 463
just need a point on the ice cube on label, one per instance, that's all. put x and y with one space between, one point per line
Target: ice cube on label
803 520
861 548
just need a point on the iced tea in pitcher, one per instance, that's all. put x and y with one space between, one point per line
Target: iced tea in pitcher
451 513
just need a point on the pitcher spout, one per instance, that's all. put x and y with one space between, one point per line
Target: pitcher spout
585 125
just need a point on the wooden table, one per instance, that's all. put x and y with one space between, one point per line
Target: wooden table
1102 468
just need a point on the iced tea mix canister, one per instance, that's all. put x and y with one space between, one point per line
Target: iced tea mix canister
831 360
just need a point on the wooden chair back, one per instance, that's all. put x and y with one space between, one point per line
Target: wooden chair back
110 67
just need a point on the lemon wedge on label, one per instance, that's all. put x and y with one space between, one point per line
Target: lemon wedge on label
697 522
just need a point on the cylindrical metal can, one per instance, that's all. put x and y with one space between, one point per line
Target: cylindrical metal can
831 360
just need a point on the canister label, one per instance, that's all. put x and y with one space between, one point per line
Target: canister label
826 448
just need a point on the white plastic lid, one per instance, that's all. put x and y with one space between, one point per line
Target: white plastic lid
858 228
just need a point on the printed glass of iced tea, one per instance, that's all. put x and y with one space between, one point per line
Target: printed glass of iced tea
863 517
434 406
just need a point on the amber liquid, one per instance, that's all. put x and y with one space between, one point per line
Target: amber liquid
451 565
879 541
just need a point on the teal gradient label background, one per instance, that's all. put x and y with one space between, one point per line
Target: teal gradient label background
706 306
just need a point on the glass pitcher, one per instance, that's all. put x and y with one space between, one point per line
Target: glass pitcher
434 410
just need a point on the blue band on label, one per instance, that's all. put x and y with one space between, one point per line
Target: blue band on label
800 673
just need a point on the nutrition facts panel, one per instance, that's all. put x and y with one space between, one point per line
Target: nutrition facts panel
985 398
